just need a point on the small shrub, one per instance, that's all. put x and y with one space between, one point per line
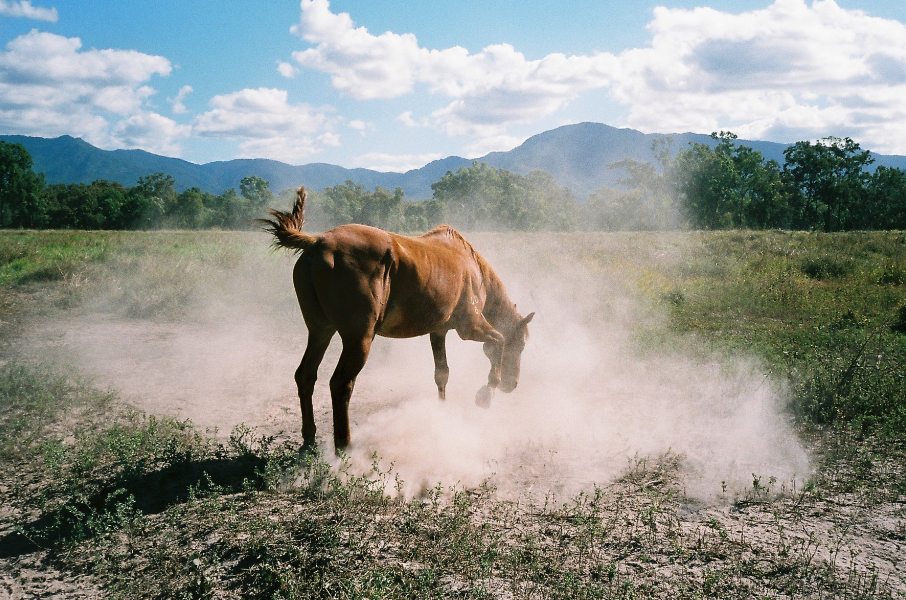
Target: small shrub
899 322
891 273
824 267
35 398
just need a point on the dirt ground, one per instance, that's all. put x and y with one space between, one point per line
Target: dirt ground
703 440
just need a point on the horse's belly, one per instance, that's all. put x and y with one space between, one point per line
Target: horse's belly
401 323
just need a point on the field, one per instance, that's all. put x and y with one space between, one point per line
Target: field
700 415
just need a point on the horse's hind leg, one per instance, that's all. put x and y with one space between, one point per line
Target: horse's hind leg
441 370
352 359
307 375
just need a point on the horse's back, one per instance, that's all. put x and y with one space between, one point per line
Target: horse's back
361 277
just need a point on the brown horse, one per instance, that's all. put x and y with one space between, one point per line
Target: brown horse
361 281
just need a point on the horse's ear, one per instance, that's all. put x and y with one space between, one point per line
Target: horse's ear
527 320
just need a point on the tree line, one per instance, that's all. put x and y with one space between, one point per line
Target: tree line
26 201
825 185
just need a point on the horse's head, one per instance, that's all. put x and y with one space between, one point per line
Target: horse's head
513 346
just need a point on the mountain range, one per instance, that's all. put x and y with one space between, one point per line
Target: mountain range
578 156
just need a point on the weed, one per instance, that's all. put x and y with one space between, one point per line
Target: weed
898 325
151 507
35 399
824 267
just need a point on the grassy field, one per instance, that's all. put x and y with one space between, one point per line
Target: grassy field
99 497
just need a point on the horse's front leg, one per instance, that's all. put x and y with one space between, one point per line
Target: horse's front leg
494 352
441 370
482 331
352 359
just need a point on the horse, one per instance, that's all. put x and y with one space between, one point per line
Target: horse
361 281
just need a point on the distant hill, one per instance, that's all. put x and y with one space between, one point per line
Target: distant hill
576 155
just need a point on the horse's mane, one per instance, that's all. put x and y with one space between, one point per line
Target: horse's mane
445 232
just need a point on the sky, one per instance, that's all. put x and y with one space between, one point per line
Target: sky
394 84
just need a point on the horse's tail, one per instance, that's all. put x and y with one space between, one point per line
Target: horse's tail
286 226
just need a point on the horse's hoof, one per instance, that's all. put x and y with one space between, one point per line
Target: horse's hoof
483 397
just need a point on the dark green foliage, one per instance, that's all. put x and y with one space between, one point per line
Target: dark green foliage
824 185
21 201
153 203
350 203
99 205
884 205
899 322
729 186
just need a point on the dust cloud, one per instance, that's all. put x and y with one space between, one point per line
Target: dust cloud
591 400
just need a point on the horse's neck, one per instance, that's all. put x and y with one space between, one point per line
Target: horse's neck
499 309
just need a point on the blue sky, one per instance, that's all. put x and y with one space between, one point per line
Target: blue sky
394 84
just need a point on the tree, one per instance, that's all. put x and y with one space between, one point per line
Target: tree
148 203
885 200
729 186
382 208
550 207
228 210
465 194
343 203
189 208
650 205
826 181
258 195
351 203
610 209
483 197
21 189
423 215
98 205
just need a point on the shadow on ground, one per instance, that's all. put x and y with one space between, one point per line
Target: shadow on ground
84 515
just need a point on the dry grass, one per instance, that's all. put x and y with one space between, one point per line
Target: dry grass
100 500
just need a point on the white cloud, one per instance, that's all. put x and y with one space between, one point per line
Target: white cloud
268 124
50 87
787 72
292 150
491 89
360 64
287 70
47 58
397 163
152 132
793 70
360 125
407 120
24 9
178 107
